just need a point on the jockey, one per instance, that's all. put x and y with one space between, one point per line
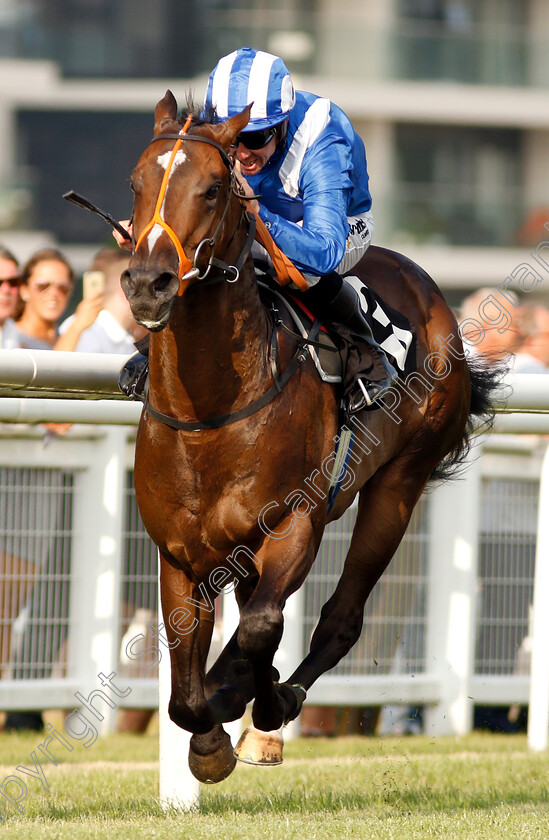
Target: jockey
300 154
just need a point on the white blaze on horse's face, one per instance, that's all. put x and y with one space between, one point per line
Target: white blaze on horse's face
163 161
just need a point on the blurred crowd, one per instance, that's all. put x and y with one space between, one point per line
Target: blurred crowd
498 327
34 299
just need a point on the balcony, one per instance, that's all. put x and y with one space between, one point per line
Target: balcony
333 43
484 54
448 214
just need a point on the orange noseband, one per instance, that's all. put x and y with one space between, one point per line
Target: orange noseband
185 264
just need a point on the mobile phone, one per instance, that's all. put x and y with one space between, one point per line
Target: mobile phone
93 283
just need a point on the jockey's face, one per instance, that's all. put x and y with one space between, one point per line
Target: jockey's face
252 161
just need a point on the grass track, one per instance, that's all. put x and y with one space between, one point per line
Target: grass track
478 787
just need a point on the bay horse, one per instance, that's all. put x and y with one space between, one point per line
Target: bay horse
230 449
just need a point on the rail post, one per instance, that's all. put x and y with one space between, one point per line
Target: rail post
538 714
177 786
451 599
97 566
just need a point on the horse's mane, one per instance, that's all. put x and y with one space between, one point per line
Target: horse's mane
201 115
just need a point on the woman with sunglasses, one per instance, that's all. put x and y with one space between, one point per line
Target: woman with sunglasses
47 281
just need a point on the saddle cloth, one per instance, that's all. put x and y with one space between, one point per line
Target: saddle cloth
345 358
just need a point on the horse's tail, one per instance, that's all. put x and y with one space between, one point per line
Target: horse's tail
486 380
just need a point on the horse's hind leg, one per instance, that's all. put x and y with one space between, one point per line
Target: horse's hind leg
385 506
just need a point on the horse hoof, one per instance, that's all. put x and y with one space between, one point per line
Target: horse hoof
215 766
258 747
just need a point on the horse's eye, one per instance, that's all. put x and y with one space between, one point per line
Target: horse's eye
213 192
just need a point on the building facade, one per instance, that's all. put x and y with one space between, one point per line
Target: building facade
450 96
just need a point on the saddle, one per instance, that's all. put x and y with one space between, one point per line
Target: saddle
340 357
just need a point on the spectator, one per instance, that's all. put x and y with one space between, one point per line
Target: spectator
15 572
490 324
532 356
499 329
47 281
9 298
114 330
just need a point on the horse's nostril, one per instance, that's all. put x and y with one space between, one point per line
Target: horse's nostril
162 281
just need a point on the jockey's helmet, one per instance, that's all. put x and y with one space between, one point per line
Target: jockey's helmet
251 76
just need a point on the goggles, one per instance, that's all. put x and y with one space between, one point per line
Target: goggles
255 140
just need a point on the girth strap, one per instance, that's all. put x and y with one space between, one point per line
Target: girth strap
233 417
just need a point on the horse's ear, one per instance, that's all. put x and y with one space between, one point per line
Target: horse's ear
226 132
165 113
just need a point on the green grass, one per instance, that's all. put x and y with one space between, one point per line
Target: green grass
478 787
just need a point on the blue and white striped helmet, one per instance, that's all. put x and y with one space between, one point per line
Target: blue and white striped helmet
249 75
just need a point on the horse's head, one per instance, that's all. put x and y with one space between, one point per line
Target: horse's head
185 210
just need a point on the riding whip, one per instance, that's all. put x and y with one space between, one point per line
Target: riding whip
80 201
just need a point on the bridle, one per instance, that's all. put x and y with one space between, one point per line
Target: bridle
188 270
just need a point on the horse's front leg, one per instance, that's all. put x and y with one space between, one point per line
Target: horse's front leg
189 620
283 566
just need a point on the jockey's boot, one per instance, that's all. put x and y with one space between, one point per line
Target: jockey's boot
341 305
133 376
